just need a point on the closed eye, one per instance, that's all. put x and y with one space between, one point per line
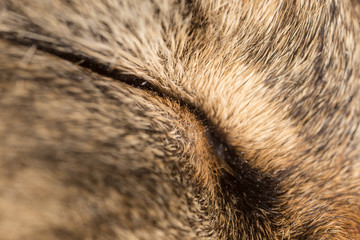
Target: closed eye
254 194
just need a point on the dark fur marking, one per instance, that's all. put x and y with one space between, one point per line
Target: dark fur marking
61 233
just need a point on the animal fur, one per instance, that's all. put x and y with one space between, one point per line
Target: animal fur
179 119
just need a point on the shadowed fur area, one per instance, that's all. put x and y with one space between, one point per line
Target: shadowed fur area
179 119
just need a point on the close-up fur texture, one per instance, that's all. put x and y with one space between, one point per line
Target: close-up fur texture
172 119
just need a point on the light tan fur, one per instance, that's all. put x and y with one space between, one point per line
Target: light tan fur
278 80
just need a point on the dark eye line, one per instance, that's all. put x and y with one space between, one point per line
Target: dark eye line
253 191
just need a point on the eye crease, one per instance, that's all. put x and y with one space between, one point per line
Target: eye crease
179 119
252 189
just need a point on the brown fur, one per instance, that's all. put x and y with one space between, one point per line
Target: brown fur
179 119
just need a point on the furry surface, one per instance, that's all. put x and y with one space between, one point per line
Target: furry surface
179 119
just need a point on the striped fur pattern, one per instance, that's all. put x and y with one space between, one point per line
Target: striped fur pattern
170 119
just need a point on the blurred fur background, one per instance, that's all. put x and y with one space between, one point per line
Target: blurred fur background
179 119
